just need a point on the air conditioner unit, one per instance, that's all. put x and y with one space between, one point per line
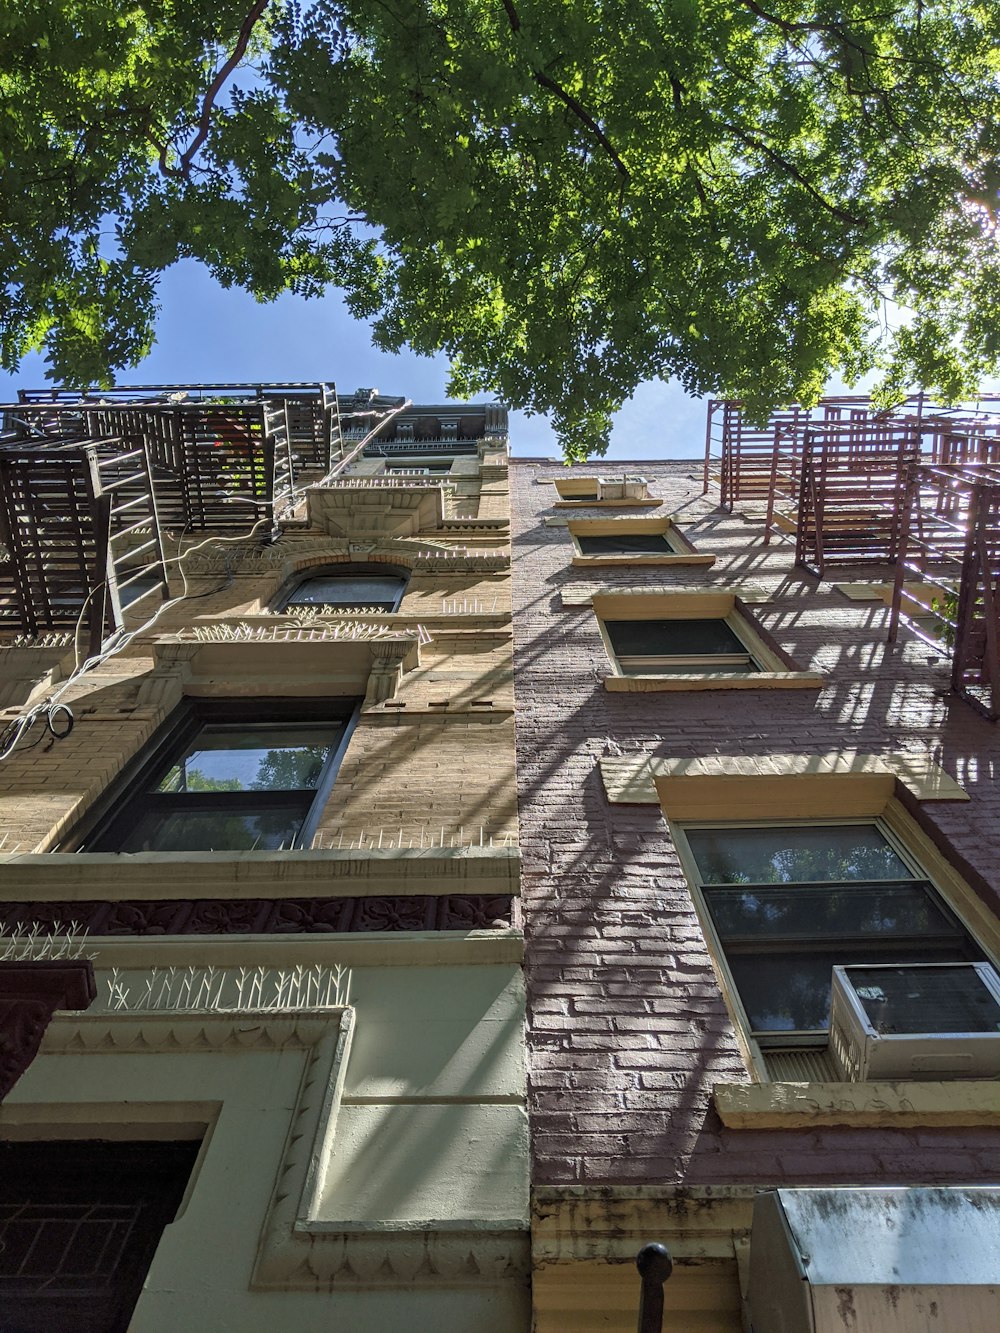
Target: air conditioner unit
915 1020
629 488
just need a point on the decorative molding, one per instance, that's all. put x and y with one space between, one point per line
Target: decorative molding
717 598
299 551
297 1249
717 680
361 507
266 916
792 784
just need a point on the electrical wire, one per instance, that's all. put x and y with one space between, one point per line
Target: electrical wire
51 706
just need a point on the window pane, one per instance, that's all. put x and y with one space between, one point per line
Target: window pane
822 913
702 666
349 590
945 999
646 638
424 469
785 992
794 855
259 759
214 831
626 543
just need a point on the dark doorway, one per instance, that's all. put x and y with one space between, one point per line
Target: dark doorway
79 1224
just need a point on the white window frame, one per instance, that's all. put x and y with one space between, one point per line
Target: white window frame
955 895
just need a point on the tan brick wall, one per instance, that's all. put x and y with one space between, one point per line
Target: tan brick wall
436 756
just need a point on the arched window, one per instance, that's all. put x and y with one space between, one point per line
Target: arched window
349 587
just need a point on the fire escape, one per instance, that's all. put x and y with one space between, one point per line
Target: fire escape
914 492
91 483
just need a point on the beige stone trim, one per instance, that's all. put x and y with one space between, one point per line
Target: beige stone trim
836 784
428 948
602 1296
328 872
682 553
572 1223
957 1104
650 502
306 666
776 670
721 680
913 593
648 602
627 561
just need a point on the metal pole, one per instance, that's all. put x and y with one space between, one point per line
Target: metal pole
655 1266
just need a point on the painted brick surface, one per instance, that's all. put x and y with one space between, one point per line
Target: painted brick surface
628 1029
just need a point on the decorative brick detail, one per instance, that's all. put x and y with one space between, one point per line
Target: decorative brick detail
268 916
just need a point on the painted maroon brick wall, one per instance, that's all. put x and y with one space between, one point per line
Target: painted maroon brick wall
627 1026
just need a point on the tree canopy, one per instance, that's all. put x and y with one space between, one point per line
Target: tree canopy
568 197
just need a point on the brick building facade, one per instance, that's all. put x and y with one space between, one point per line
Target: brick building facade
305 1053
655 1112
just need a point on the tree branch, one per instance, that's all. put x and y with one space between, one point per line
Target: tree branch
569 101
751 141
183 168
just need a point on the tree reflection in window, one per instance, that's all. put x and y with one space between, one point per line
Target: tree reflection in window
790 902
231 788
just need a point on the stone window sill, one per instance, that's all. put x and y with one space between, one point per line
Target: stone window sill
900 1105
717 680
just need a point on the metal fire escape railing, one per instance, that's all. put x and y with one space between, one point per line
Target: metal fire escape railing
313 414
763 465
214 466
947 585
90 483
78 523
851 488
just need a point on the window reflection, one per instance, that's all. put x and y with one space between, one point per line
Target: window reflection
789 903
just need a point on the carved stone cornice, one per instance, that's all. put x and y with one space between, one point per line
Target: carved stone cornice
30 993
263 916
308 661
365 508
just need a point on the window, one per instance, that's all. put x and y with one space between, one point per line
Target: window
677 647
625 543
632 541
418 469
576 488
688 639
79 1225
350 587
248 776
786 903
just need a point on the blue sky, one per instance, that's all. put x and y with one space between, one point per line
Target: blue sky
208 334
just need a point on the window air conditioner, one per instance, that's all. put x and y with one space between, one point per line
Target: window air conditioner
628 488
916 1020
